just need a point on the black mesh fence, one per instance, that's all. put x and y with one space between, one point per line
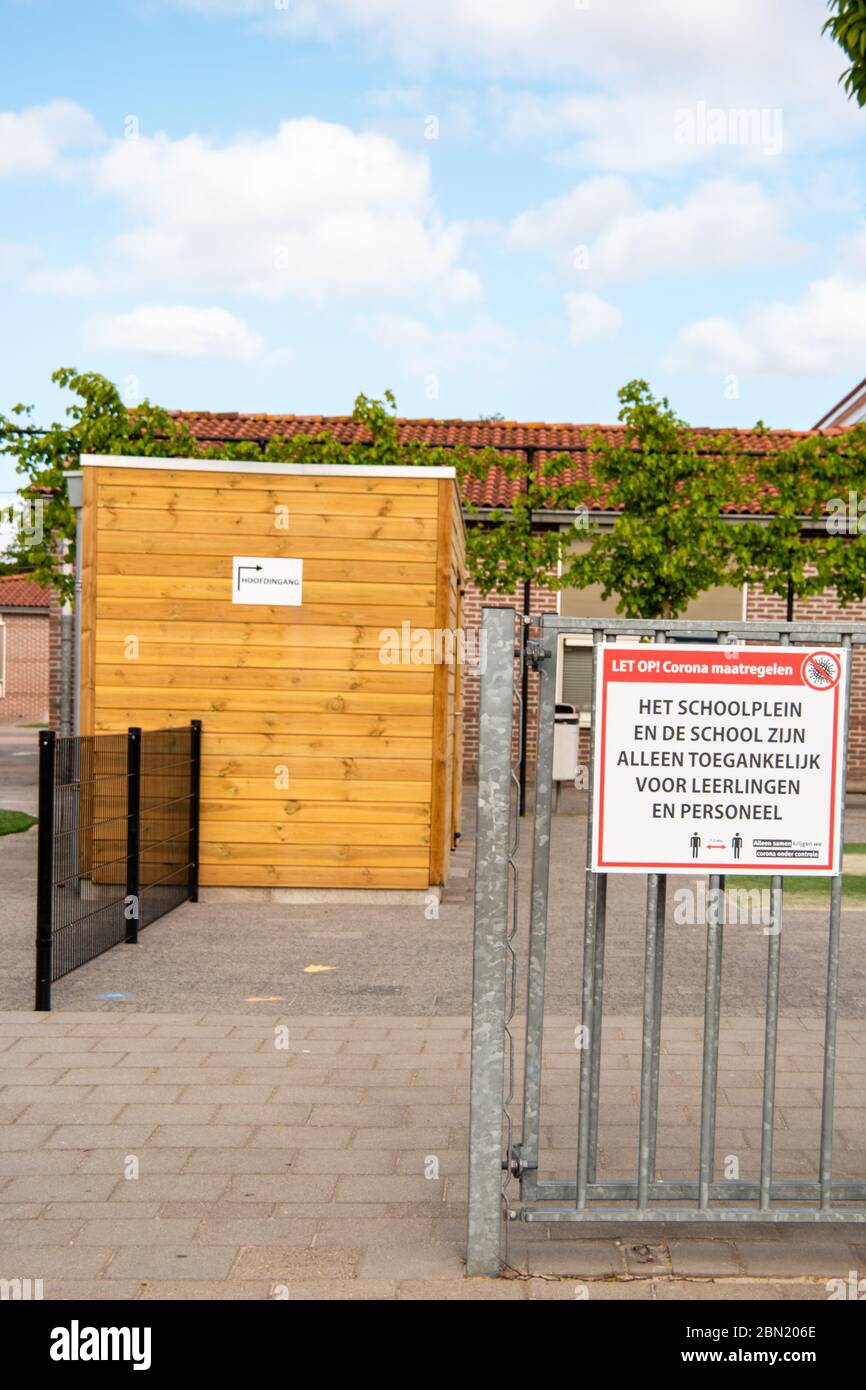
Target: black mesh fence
89 858
166 844
118 841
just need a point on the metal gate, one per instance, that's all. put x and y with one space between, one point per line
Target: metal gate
503 1170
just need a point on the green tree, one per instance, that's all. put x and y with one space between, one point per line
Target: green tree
847 24
692 512
513 547
99 422
668 489
813 536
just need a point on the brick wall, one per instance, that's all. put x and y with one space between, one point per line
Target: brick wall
25 687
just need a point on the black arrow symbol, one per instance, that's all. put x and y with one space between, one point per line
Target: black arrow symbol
241 569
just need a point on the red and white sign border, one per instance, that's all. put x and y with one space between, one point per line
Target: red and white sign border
689 866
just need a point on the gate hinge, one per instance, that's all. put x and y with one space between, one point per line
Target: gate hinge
516 1165
536 653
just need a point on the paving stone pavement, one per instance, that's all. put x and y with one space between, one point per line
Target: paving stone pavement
217 1155
389 959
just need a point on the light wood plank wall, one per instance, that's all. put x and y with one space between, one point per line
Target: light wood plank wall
371 750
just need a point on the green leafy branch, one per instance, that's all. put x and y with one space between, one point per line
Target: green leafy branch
847 24
667 490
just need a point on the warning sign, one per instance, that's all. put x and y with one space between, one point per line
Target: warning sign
714 759
263 579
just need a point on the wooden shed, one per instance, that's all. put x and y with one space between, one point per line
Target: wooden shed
308 615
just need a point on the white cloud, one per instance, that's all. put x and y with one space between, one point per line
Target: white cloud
225 6
720 225
177 330
591 318
401 99
627 67
714 344
17 259
315 211
822 332
481 344
22 266
575 217
35 140
853 253
411 114
625 132
600 40
664 131
62 280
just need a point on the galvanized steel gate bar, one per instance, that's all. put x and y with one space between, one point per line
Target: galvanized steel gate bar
493 1159
490 953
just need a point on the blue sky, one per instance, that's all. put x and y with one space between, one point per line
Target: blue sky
506 207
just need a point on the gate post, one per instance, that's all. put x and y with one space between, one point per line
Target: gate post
45 871
194 807
133 833
489 961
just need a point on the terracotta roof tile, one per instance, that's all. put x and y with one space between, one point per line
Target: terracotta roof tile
533 441
20 591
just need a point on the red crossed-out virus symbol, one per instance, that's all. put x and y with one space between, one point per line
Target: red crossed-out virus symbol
821 670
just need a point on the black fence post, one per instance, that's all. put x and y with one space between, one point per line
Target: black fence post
194 805
133 834
45 870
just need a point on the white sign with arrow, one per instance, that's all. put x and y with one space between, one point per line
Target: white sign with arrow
264 579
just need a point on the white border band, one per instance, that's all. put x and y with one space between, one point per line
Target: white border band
314 470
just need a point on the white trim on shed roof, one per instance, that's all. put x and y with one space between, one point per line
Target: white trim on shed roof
313 470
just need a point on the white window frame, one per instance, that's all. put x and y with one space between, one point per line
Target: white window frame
571 640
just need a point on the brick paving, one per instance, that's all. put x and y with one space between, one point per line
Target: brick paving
392 959
194 1156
